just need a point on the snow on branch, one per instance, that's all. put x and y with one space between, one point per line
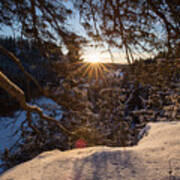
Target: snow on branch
18 94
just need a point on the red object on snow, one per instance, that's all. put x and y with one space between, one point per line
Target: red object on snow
80 143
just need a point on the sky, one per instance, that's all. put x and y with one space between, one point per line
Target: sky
90 54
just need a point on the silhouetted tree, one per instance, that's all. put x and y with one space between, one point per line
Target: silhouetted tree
133 26
40 20
44 23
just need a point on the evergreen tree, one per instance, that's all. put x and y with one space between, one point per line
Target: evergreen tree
43 21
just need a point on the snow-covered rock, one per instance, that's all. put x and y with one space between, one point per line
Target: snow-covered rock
115 74
155 157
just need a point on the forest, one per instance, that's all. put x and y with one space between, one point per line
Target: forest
55 99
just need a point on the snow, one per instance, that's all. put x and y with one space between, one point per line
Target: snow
116 74
119 73
9 125
155 157
49 107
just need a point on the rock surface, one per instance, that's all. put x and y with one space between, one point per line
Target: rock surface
155 157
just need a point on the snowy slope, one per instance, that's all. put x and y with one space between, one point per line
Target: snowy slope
157 154
8 125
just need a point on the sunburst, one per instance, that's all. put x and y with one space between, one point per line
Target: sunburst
90 71
92 68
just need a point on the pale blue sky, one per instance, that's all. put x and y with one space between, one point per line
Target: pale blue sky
88 53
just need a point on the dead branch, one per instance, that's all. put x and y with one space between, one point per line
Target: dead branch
19 64
18 94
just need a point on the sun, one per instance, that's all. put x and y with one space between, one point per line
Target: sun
93 67
93 58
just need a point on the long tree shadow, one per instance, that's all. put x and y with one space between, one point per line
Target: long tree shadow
114 165
171 178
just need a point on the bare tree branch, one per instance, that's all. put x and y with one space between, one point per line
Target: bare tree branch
19 64
18 94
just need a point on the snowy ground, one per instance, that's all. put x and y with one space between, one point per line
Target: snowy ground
9 125
156 157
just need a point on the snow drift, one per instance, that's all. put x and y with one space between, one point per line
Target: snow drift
157 156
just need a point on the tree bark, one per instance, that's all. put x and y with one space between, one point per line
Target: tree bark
19 64
18 94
